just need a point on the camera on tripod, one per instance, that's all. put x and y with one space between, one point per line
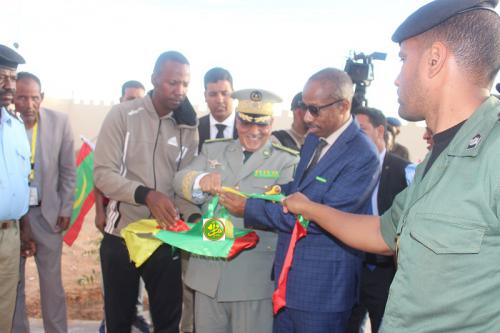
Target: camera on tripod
360 68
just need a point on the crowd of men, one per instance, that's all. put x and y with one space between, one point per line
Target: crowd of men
412 250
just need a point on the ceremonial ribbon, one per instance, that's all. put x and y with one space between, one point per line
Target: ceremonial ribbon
222 215
212 205
269 197
299 231
279 295
144 237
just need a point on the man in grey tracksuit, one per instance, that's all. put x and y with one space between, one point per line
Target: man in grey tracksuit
141 145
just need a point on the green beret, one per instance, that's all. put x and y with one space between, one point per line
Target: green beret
435 13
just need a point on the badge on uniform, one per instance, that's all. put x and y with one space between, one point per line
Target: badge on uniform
212 164
33 196
474 141
320 179
272 174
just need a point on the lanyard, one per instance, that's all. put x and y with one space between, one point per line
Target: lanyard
34 136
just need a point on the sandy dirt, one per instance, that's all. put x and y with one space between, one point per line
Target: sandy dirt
81 275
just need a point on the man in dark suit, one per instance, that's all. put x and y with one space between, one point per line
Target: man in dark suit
338 167
393 130
219 123
378 271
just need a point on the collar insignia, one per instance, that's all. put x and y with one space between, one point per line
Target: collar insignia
474 141
212 164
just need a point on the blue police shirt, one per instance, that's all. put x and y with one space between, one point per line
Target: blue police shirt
14 167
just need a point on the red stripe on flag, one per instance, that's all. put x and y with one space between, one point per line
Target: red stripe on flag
83 153
242 243
75 228
279 295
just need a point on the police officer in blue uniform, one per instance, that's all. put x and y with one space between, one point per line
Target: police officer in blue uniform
14 190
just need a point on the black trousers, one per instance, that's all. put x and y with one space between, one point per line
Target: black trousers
373 297
162 276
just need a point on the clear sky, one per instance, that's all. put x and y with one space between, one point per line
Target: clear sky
86 49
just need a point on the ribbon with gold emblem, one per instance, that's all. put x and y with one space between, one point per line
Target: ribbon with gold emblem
215 238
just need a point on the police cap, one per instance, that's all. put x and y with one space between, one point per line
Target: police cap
297 102
393 121
9 58
255 105
435 13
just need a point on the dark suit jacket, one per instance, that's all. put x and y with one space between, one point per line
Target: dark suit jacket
325 273
401 151
392 180
204 130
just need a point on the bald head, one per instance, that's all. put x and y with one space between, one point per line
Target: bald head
335 82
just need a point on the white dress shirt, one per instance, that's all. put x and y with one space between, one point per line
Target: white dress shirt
229 122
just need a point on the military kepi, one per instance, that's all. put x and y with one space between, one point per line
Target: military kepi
435 13
9 58
255 105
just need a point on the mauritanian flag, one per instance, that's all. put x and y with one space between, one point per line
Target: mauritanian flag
144 237
84 194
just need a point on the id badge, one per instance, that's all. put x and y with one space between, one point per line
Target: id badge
33 196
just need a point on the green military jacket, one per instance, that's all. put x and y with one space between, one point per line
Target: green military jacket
248 275
448 224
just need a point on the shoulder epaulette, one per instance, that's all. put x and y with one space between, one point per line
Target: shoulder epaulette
218 140
16 116
288 150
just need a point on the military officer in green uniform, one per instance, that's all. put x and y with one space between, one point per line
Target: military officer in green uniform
445 227
235 296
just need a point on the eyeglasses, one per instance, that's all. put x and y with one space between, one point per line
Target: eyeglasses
314 110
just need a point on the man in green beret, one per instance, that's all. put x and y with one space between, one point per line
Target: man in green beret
445 227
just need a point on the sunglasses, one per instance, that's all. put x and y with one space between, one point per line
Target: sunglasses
314 110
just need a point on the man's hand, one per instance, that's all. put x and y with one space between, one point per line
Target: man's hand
100 210
28 247
235 204
295 203
162 208
100 220
63 222
211 183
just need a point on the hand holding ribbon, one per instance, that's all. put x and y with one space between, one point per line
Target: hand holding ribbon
295 203
299 231
211 183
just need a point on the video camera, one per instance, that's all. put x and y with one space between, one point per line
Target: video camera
360 69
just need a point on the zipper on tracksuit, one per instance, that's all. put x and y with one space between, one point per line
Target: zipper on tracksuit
154 154
154 162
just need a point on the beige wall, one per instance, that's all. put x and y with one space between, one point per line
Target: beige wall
86 119
411 137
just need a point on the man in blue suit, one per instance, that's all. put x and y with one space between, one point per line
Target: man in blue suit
338 167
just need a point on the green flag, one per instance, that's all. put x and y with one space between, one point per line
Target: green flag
84 194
